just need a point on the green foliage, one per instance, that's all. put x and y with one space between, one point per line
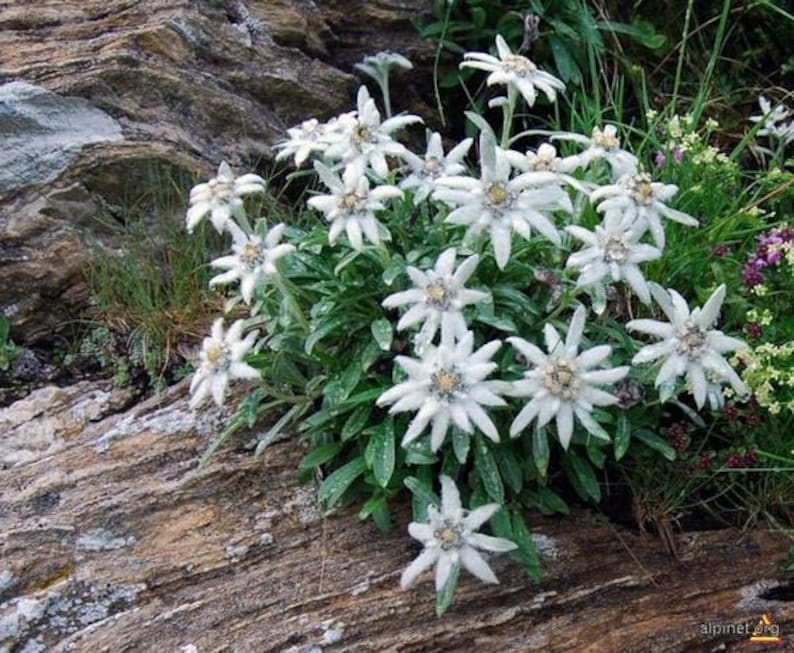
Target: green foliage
8 350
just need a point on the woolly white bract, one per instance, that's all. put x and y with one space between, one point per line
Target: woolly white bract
561 383
501 203
602 145
689 346
447 386
254 258
515 71
450 538
221 361
222 198
351 206
426 170
438 298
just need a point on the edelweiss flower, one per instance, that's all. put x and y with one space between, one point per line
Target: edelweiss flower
221 360
642 202
561 384
603 145
363 138
310 136
447 383
438 299
688 343
545 159
450 539
425 171
773 125
516 72
501 204
254 257
222 198
351 206
613 252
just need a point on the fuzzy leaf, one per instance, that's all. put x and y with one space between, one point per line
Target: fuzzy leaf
320 455
380 453
336 484
382 331
622 436
540 450
655 442
488 471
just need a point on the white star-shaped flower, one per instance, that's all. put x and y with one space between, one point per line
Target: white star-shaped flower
514 71
308 137
689 346
221 361
503 204
351 206
602 145
425 170
561 383
773 121
362 137
450 538
613 252
447 385
222 198
643 202
438 298
254 258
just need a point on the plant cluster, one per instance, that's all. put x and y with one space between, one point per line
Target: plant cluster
476 315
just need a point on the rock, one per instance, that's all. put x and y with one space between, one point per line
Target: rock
117 538
109 96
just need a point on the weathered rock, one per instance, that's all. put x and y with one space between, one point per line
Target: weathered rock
117 540
156 85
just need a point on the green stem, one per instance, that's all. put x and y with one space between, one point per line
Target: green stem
773 456
682 53
507 115
384 89
436 89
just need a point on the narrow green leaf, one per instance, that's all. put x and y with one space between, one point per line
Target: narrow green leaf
622 436
550 501
444 597
581 476
596 454
371 505
461 443
320 455
323 329
423 495
383 332
511 470
336 484
650 439
380 453
540 449
418 453
488 471
526 552
357 420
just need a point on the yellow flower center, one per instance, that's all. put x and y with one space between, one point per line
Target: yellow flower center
445 382
641 189
437 294
362 134
449 537
519 65
432 167
560 378
616 249
250 254
692 340
607 141
352 202
497 194
221 190
216 355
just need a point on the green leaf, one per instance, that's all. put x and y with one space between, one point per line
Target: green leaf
320 455
502 323
622 436
540 449
5 329
566 66
526 553
249 408
595 454
423 495
392 271
650 439
333 487
444 597
383 332
380 453
418 453
511 470
550 501
323 329
356 421
581 476
461 443
488 471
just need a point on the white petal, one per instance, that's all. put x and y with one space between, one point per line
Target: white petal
443 569
488 543
450 498
421 563
475 563
479 516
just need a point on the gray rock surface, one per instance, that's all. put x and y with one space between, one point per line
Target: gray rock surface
42 132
